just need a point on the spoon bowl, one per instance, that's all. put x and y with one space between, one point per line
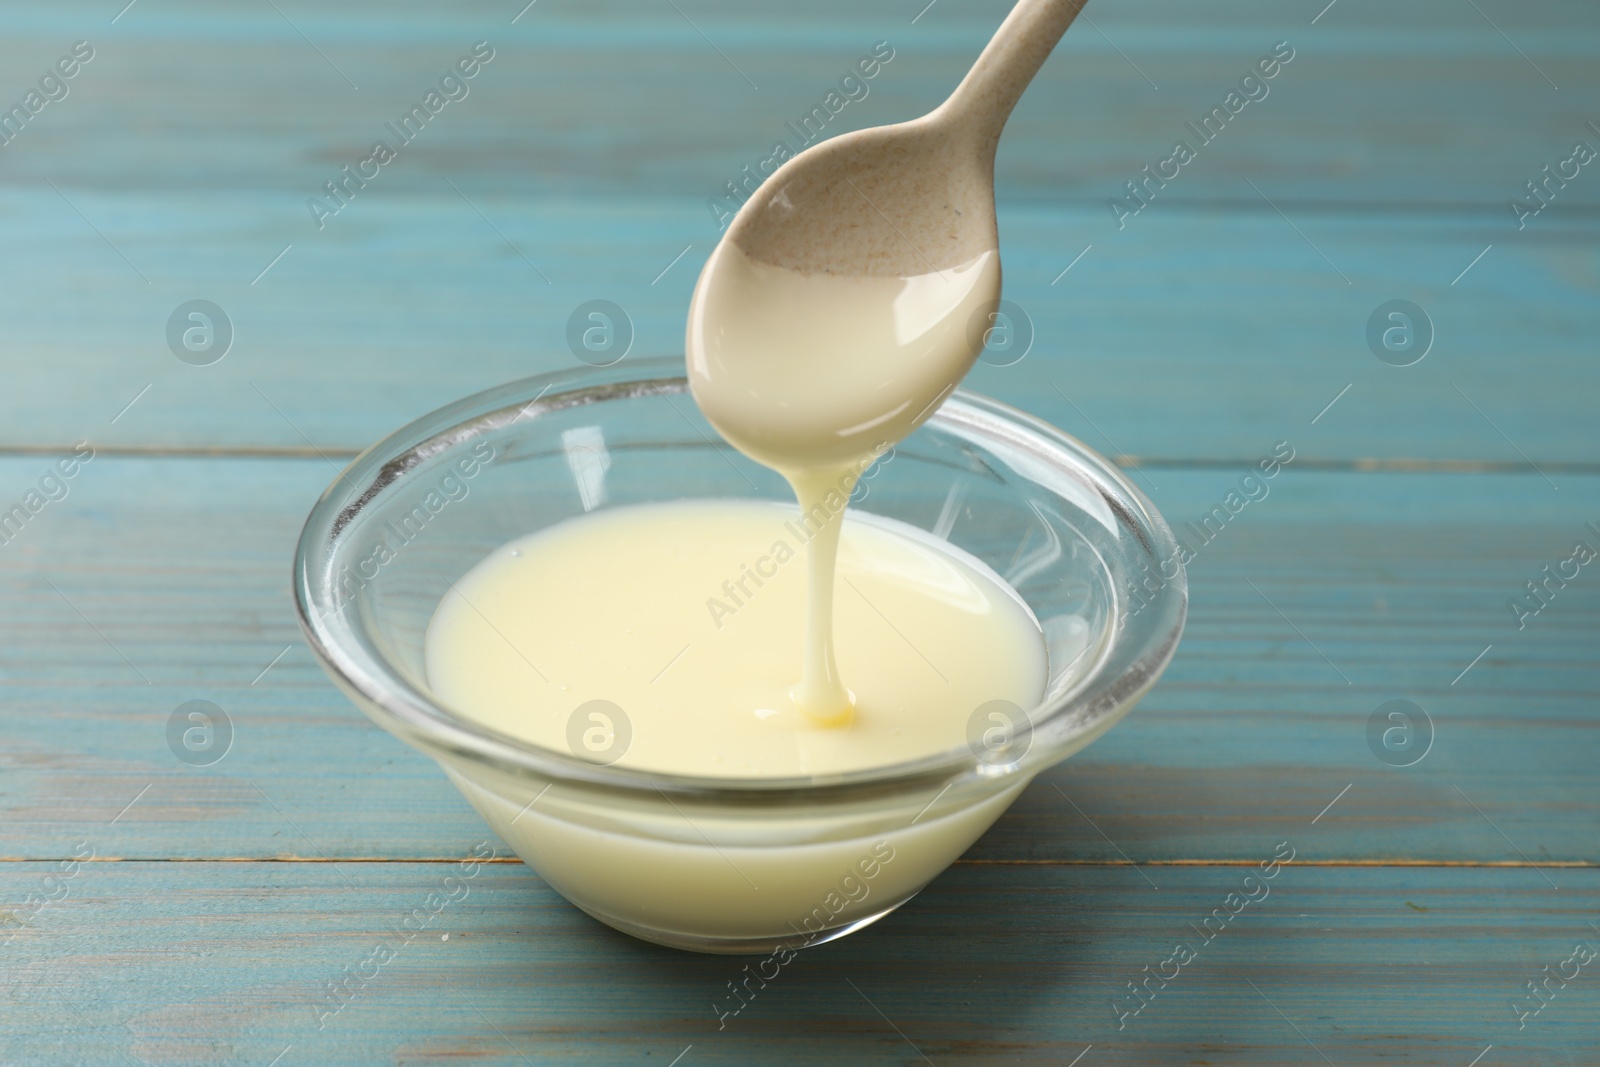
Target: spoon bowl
854 288
889 201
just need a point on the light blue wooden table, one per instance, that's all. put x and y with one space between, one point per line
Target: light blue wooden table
153 912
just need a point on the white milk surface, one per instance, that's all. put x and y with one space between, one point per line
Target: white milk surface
690 618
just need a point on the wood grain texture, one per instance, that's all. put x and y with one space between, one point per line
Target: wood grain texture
1398 579
1226 316
1389 146
1419 104
176 963
419 302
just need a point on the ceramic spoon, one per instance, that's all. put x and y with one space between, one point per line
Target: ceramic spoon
838 308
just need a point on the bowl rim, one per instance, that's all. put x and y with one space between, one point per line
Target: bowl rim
1084 709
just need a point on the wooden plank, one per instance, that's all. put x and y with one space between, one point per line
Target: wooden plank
203 962
1393 155
338 345
179 569
1381 104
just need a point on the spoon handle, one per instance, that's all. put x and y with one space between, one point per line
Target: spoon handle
984 99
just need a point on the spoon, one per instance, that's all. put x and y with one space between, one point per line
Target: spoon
854 288
850 295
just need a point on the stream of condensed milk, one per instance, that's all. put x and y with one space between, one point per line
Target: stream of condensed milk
815 375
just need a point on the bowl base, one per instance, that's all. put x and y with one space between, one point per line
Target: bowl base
739 946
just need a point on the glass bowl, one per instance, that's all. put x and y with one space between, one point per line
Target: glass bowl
731 865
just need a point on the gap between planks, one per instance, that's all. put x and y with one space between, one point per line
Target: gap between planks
1518 864
1368 463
